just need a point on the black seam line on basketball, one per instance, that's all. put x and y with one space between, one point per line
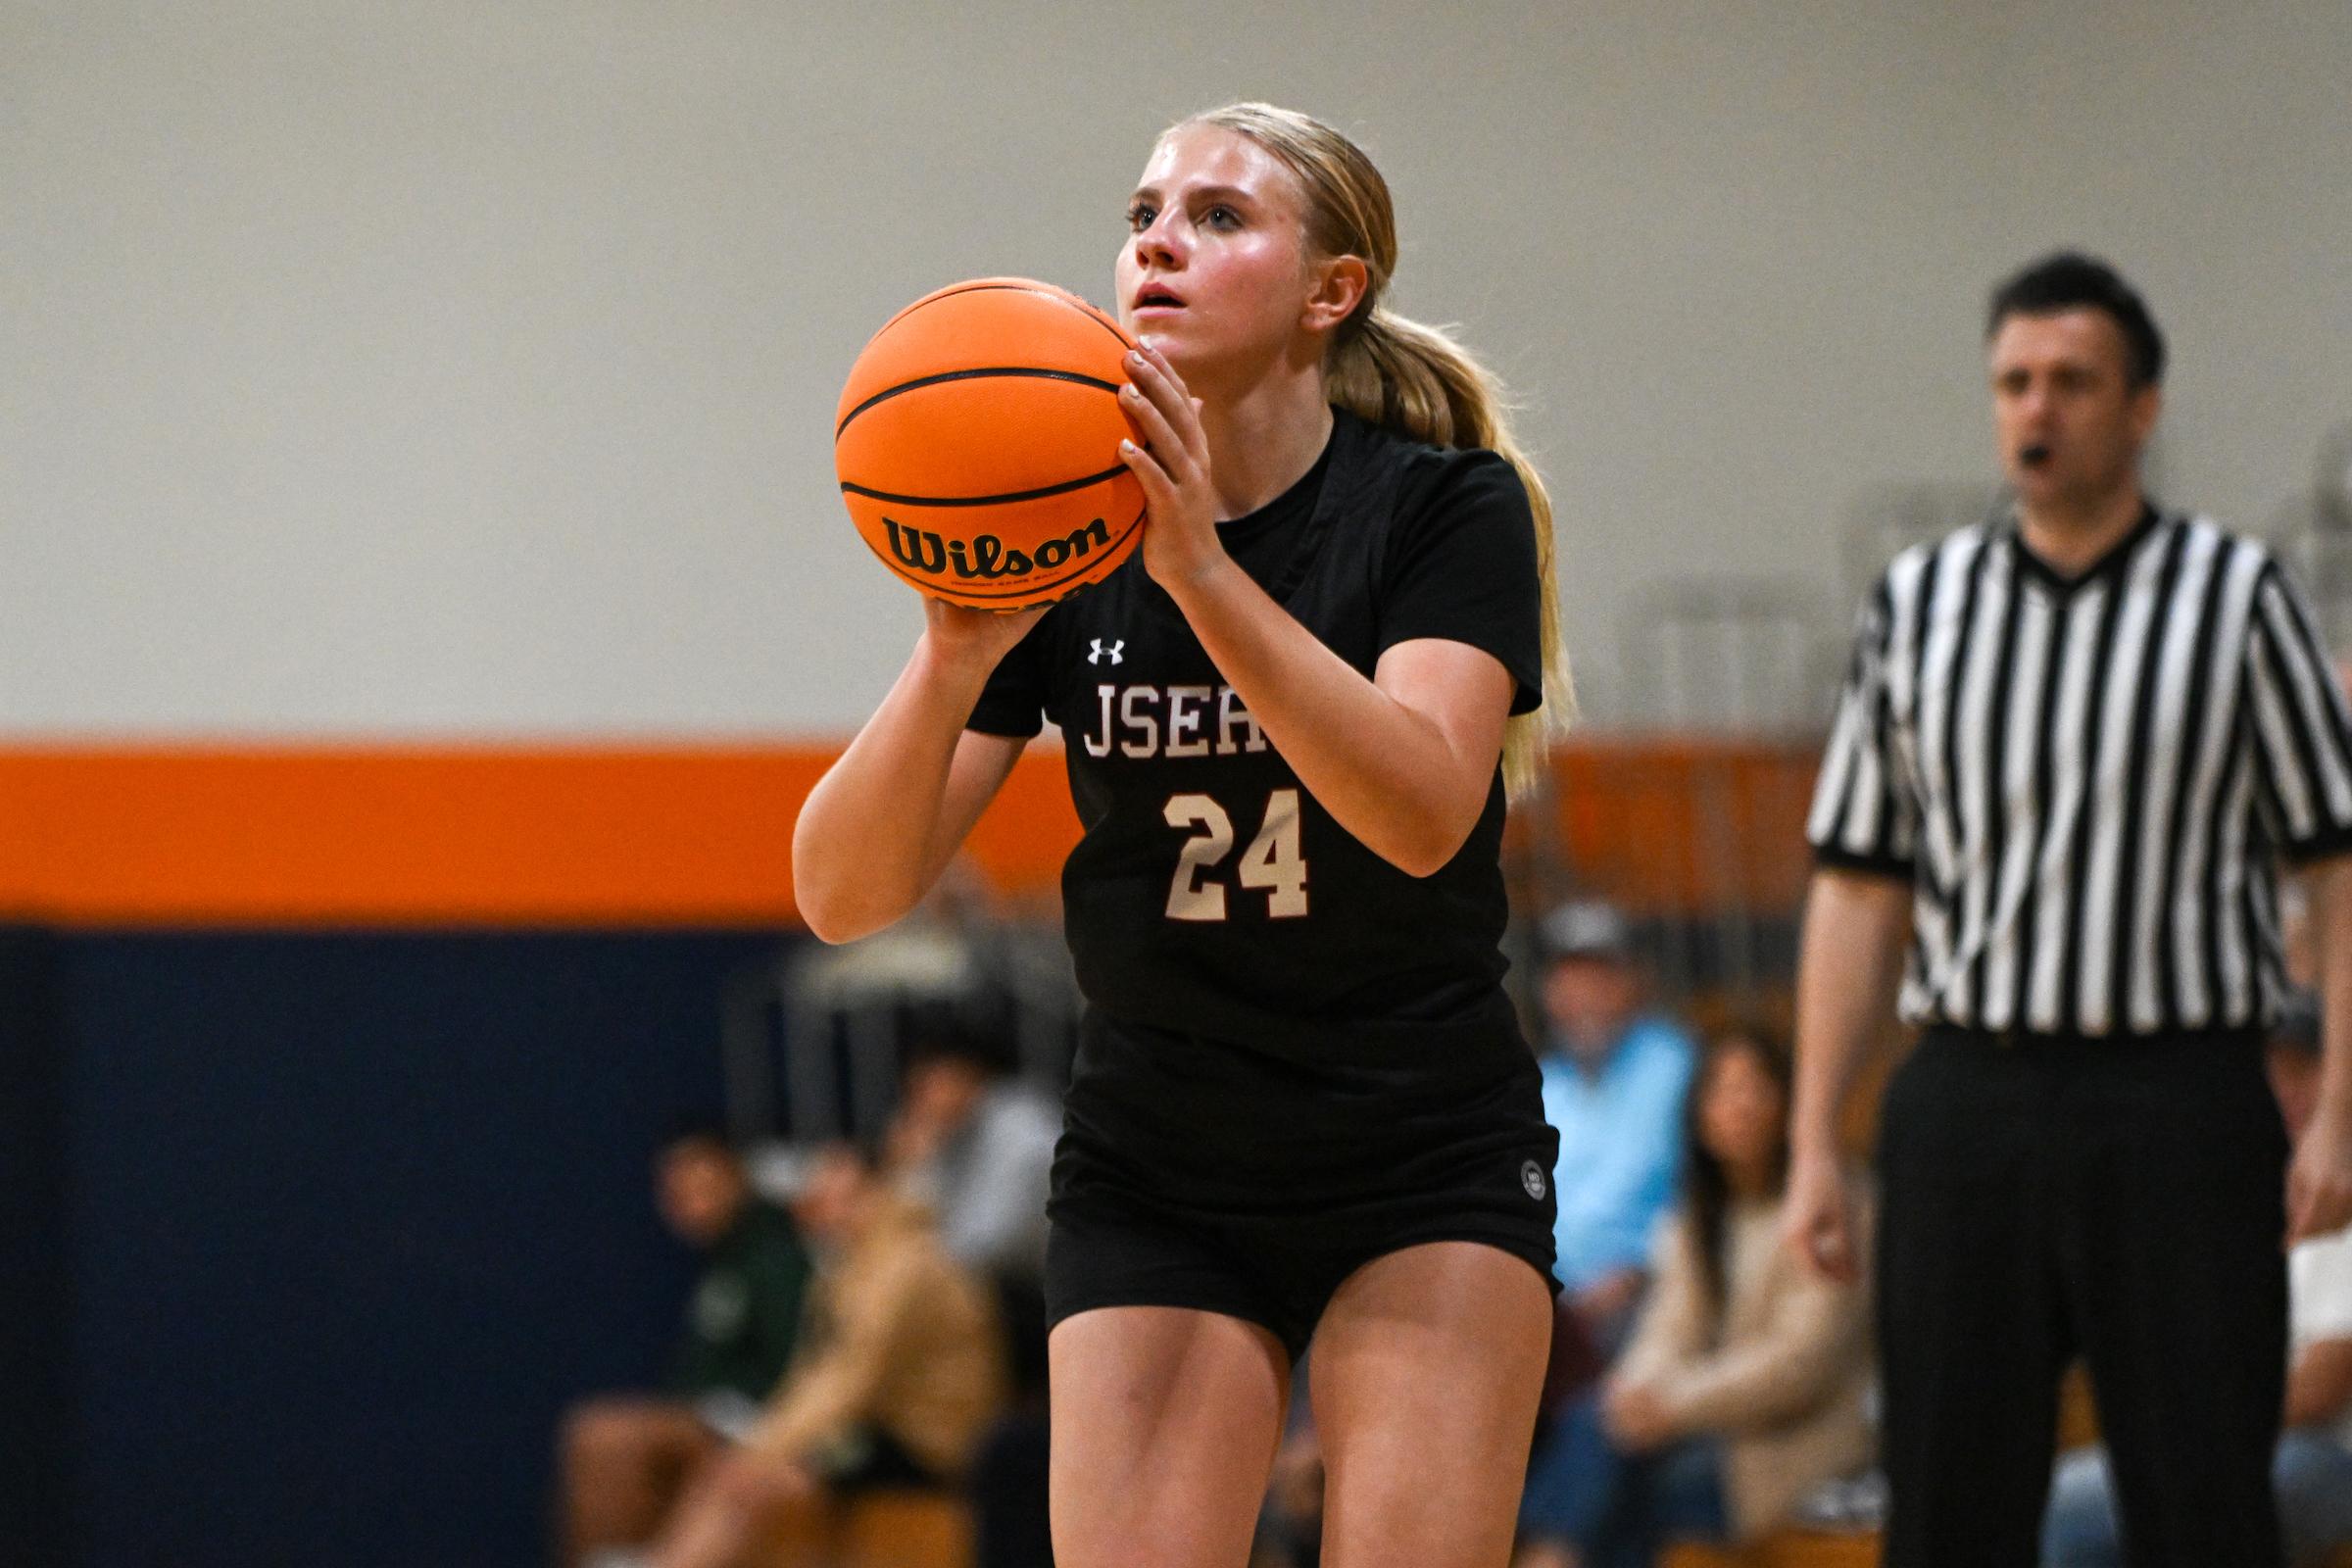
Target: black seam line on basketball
1065 488
1030 373
1014 593
1090 312
953 290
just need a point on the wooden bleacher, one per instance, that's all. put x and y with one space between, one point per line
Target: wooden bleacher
881 1530
1788 1548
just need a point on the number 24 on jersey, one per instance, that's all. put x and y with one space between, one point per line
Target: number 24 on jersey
1272 862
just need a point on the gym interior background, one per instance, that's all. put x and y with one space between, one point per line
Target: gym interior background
424 596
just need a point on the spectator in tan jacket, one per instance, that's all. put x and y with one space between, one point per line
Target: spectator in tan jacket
1744 1383
904 1369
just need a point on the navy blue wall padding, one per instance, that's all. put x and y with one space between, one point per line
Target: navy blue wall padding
353 1216
36 1419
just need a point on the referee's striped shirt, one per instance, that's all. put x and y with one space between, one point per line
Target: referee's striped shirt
2087 781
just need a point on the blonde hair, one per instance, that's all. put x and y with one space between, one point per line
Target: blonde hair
1410 377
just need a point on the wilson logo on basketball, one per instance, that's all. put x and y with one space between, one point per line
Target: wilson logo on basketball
977 445
986 559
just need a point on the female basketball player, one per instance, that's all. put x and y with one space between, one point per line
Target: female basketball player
1301 1103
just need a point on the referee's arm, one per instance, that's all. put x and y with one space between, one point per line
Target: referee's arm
2319 1185
1864 831
1856 923
2302 729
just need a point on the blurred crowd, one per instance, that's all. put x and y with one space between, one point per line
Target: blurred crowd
882 1328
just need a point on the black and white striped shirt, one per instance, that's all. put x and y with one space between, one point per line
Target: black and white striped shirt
2087 781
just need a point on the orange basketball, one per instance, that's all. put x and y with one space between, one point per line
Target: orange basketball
977 444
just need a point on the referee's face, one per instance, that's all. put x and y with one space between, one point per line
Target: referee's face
2070 422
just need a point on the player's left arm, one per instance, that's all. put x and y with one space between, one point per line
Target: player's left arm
1403 760
2319 1184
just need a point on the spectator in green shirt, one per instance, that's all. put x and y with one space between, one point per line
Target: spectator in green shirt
627 1458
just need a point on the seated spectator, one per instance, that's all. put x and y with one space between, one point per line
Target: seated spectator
1743 1385
627 1460
902 1371
1614 1079
2311 1471
975 1141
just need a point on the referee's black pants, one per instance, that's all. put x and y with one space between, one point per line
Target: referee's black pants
2118 1200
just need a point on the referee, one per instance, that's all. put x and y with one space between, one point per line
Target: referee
2073 742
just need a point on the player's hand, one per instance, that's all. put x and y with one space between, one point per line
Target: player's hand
1180 533
2319 1180
973 639
1817 1217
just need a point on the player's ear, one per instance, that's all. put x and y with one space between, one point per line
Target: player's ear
1338 285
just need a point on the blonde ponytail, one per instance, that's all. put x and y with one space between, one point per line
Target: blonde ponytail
1417 380
1411 378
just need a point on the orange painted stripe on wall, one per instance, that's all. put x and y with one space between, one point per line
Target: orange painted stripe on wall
570 836
403 836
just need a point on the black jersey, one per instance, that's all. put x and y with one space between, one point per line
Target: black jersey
1210 893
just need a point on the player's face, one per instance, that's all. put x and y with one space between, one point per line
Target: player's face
1742 1115
1214 272
2070 423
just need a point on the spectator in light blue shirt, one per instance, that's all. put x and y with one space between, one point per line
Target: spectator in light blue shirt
1614 1080
1615 1077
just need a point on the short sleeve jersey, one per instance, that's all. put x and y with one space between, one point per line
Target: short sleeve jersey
1211 892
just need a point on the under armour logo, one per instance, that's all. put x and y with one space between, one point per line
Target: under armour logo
1112 651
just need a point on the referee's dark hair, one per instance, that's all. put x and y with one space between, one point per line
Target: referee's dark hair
2068 280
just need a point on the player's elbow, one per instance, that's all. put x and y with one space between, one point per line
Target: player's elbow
1431 849
836 917
1420 867
840 892
825 924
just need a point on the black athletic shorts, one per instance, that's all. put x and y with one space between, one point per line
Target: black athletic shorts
1202 1173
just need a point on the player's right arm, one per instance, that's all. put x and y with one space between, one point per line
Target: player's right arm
886 819
1850 961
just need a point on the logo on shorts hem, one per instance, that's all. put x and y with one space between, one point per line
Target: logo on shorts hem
1530 1177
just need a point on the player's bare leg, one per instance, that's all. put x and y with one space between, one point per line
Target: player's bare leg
1165 1424
1428 1366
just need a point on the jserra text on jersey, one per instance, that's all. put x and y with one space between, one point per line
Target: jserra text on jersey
1179 721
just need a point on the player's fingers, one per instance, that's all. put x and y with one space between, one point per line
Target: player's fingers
1167 371
1182 408
1153 386
1168 446
1158 490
